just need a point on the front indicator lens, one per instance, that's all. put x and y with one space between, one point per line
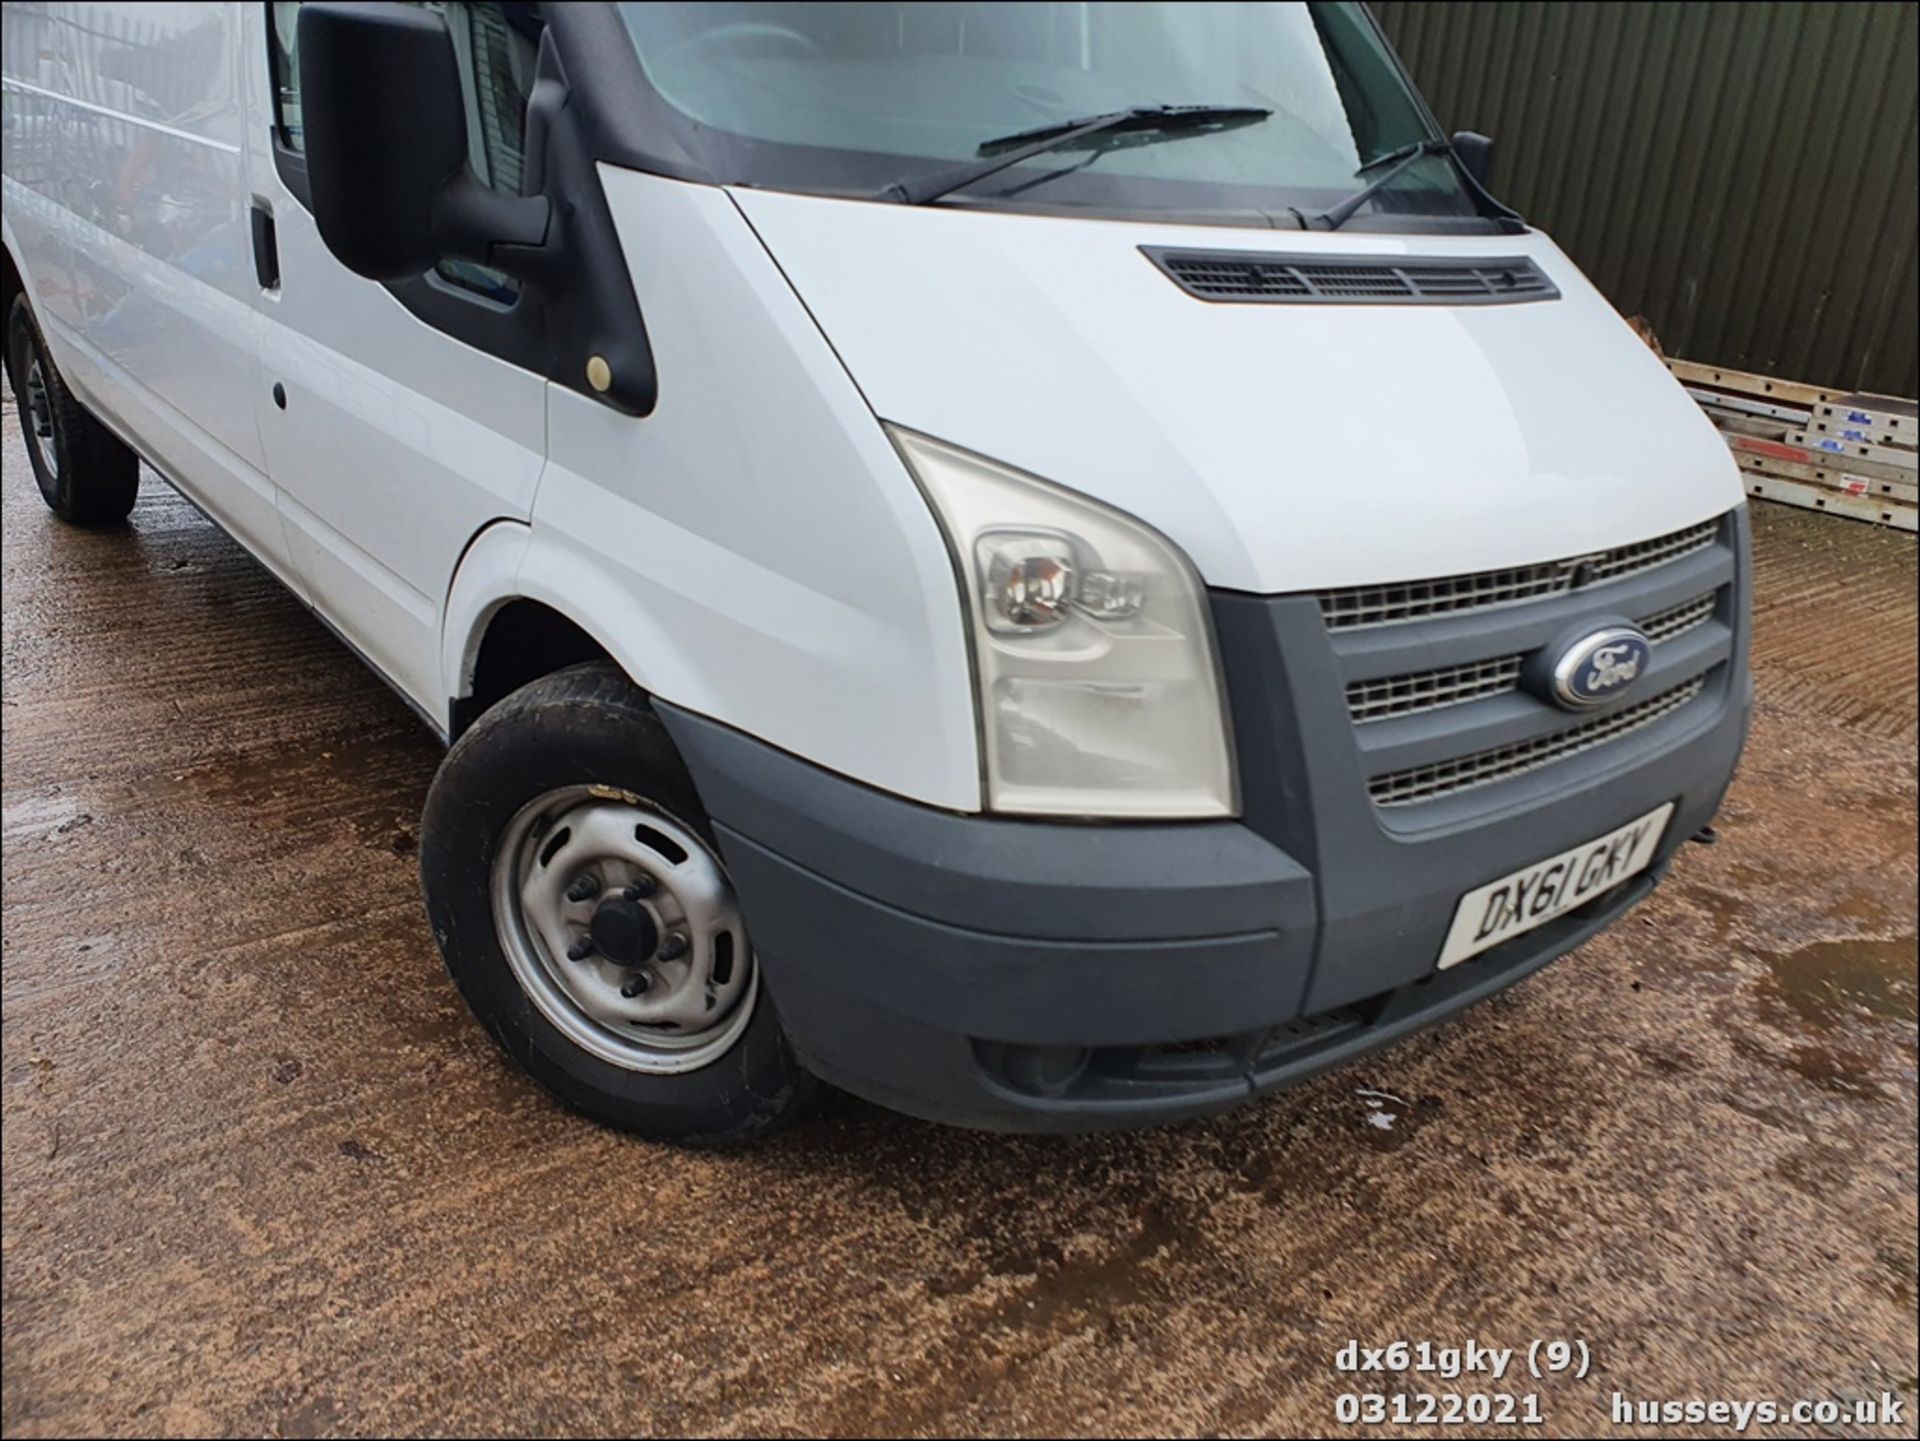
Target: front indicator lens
1099 693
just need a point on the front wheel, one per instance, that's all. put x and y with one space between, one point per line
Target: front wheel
584 911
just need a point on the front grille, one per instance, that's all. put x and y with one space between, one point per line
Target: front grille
1396 695
1261 277
1680 619
1645 555
1415 600
1450 777
1369 700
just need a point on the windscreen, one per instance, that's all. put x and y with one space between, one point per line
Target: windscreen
846 99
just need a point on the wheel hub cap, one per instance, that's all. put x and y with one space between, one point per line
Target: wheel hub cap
40 417
623 932
621 926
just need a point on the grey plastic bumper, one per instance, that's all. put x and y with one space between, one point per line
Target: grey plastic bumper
1062 977
1027 976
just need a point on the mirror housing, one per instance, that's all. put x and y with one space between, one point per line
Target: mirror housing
384 123
1475 152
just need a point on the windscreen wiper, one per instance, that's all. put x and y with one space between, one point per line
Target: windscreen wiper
1005 151
1401 160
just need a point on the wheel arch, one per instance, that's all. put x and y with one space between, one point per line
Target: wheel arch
521 641
15 283
522 606
11 278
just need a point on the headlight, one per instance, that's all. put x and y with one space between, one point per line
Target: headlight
1098 690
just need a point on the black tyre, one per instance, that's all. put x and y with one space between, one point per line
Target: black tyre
582 908
87 476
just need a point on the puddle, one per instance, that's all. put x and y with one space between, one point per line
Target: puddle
1722 906
1833 1069
1845 1073
1825 984
1815 994
1388 1121
1306 1159
1866 912
1088 1288
39 815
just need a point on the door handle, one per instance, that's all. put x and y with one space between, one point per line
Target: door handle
266 248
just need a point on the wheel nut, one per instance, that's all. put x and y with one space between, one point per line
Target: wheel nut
640 889
580 949
673 947
584 888
637 985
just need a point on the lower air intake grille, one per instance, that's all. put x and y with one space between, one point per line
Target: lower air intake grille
1449 777
1261 277
1411 600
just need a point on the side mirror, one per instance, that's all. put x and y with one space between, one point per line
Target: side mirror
1475 151
385 128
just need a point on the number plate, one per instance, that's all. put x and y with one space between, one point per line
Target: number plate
1515 904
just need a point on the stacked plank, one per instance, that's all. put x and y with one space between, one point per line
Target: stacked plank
1847 454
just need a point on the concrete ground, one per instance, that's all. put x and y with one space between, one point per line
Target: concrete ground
263 1175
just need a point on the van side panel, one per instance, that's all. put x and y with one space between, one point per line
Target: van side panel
762 556
144 173
32 73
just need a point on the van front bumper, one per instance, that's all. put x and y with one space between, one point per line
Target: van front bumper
1031 976
1027 975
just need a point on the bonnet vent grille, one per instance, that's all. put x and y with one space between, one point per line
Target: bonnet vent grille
1260 277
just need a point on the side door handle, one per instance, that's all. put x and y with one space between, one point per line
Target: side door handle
266 248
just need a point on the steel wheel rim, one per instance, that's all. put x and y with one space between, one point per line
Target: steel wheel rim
695 1006
40 418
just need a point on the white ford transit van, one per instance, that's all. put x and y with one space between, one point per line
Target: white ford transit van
1053 565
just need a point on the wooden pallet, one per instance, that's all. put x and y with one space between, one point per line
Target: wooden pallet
1851 449
1792 392
1730 423
1766 387
1794 417
1841 453
1875 423
1817 497
1901 492
1790 454
1813 480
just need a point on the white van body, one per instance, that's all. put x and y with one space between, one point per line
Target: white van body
767 548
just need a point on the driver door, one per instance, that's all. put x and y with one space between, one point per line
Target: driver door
391 440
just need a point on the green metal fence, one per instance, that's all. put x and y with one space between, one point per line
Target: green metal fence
1741 173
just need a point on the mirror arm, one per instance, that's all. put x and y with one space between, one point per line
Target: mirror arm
1473 157
509 232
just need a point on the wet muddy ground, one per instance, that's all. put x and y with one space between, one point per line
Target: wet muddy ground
262 1174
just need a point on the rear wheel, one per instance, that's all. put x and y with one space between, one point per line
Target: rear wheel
585 913
86 474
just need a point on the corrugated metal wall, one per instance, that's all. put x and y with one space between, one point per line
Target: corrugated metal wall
1743 174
